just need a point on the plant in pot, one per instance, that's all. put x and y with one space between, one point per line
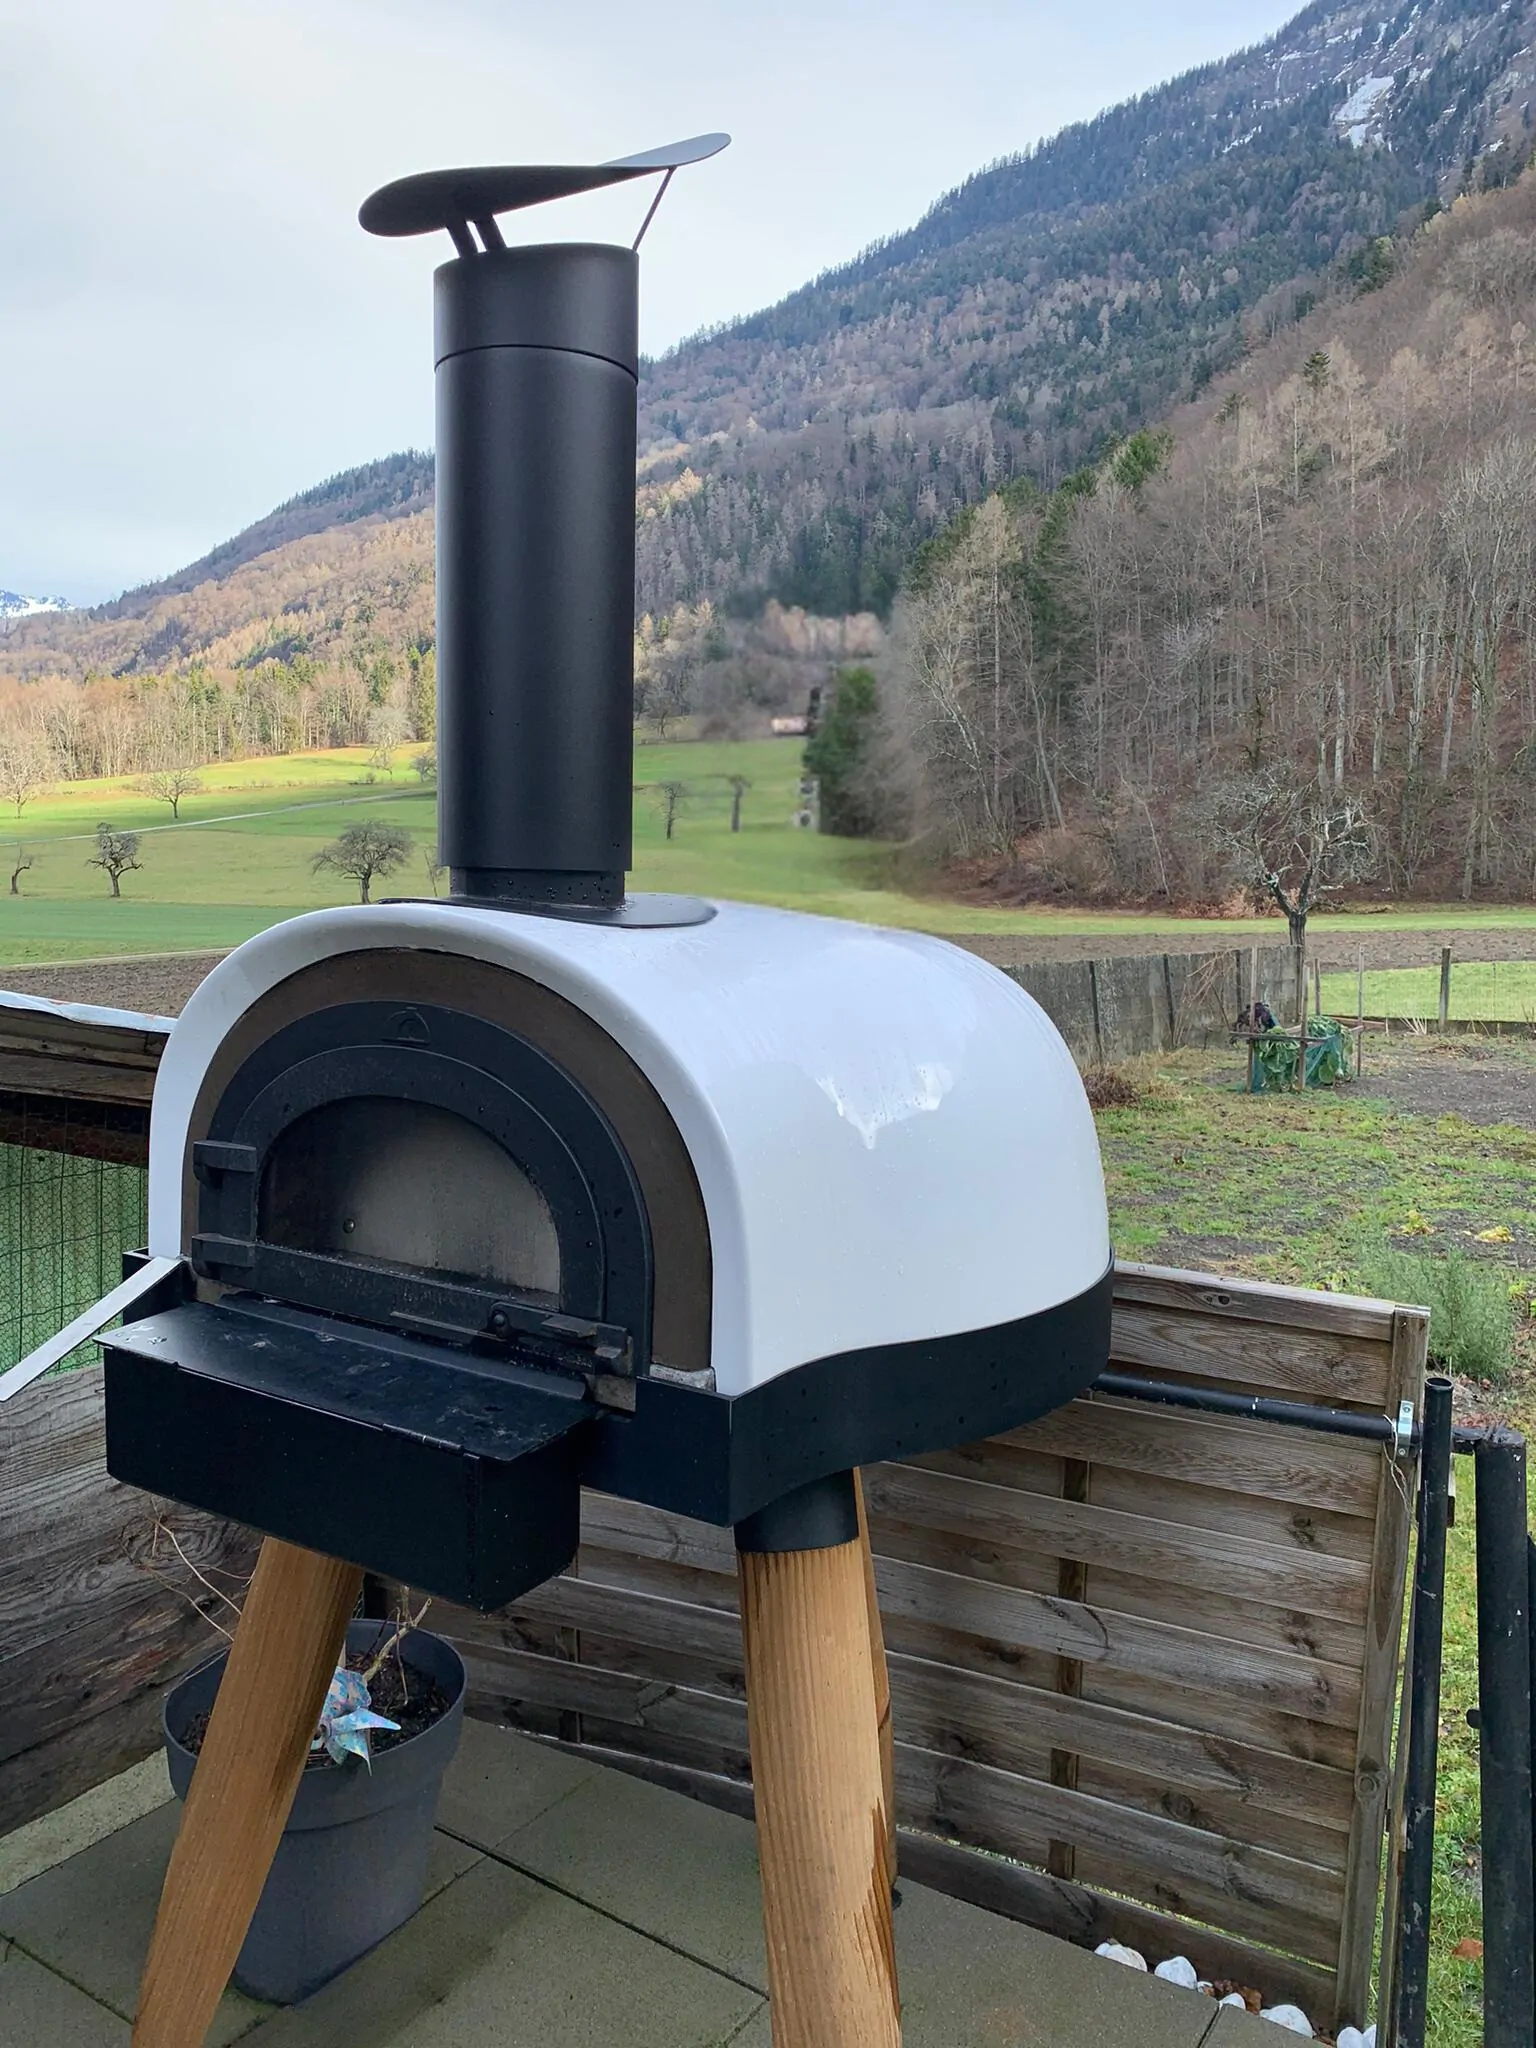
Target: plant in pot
352 1863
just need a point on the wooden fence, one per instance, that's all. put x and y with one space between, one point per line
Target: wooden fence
1114 1008
1149 1658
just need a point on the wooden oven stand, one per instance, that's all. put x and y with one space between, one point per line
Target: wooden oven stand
824 1834
818 1704
264 1719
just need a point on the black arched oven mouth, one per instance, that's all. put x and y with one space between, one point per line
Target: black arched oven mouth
430 1173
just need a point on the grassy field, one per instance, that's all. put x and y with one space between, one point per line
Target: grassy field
1502 989
240 858
1310 1189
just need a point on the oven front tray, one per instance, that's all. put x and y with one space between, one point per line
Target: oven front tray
416 1460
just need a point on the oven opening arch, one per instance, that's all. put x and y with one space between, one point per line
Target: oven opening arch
414 1163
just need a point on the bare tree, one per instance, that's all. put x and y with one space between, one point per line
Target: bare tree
1294 841
27 767
116 853
669 798
740 784
434 865
386 731
19 866
364 852
169 786
425 764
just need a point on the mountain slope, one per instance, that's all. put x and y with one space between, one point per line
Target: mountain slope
1049 303
1064 296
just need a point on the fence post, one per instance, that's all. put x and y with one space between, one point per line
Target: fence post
1426 1640
1445 986
1504 1740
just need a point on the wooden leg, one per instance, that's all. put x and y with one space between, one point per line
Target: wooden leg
820 1821
882 1676
285 1652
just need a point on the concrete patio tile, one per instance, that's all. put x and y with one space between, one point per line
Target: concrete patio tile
974 1977
90 1918
499 1961
757 2033
500 1781
28 1851
39 2010
661 1862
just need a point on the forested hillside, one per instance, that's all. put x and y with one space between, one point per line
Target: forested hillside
1065 296
1322 572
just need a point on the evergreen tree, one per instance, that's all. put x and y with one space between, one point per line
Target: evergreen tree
838 755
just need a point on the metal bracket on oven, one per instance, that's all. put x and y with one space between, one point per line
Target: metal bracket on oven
601 1353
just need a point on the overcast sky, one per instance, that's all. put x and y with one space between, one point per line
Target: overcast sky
193 327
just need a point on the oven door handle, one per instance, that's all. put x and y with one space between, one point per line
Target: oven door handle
150 1275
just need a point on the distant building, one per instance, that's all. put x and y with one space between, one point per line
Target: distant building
789 728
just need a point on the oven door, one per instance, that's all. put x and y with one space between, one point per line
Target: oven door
428 1172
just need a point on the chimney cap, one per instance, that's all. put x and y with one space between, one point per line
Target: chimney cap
452 199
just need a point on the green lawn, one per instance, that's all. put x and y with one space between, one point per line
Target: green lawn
240 858
1480 989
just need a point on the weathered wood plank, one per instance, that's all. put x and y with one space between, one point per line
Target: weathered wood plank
1246 1890
1256 1301
1135 1544
97 1615
624 1525
1204 1712
1335 1369
1297 1685
1207 1608
1242 1456
1165 1497
77 1080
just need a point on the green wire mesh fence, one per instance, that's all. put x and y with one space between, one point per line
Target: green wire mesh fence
72 1201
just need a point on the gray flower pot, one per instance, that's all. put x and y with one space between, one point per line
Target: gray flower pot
352 1863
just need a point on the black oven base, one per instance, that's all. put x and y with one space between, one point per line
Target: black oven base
421 1461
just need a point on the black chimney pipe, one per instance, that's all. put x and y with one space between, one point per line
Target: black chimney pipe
538 359
537 355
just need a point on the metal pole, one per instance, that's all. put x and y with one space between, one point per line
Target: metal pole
1445 986
1378 1429
1504 1741
1428 1635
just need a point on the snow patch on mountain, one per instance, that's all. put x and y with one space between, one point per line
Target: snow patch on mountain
1358 110
14 606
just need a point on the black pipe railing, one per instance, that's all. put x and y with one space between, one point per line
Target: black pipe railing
1427 1635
